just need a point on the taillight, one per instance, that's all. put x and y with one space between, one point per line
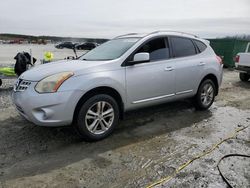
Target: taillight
219 59
237 59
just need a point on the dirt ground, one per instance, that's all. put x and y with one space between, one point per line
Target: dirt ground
148 145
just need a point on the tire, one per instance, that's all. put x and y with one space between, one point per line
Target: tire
90 122
1 82
244 77
205 95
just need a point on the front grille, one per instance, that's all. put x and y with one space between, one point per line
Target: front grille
21 85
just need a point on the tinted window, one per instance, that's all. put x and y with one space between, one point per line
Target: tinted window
182 47
201 46
157 49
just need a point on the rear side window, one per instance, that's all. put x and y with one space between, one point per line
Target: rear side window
157 49
182 47
200 45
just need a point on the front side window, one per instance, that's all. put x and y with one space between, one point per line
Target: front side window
157 49
110 50
182 47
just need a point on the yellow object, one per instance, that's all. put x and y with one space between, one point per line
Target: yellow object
168 178
48 56
7 71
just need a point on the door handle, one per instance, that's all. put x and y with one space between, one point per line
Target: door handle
169 69
201 64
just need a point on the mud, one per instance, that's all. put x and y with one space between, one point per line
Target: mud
147 146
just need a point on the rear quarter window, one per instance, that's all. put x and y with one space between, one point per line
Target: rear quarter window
200 45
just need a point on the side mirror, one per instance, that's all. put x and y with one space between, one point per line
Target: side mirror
142 57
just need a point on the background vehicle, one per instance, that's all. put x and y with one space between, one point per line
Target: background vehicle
242 64
62 45
129 72
86 46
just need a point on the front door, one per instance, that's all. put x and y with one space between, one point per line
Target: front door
154 80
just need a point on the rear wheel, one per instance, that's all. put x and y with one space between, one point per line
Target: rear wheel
205 95
244 77
97 117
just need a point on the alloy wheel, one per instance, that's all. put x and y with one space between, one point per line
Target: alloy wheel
207 94
99 117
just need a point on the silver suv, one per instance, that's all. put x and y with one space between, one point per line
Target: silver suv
125 73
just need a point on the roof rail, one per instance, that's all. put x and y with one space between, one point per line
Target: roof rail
126 35
173 31
158 32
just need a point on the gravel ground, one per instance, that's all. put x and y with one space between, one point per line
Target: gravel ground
148 145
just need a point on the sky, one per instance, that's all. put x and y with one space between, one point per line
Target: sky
109 18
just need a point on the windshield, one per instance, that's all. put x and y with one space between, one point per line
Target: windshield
110 50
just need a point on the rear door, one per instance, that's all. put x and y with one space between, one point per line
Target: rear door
188 67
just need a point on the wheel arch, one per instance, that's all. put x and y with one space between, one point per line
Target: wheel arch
100 90
214 79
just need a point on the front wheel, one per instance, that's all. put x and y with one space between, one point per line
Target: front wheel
244 77
205 95
97 117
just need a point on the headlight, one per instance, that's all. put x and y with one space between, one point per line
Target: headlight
52 83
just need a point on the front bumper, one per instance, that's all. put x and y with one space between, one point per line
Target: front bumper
50 109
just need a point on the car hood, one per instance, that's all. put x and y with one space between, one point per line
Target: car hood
79 67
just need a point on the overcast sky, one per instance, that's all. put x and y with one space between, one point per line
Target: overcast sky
108 18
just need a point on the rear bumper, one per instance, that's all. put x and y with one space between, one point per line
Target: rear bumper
244 69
